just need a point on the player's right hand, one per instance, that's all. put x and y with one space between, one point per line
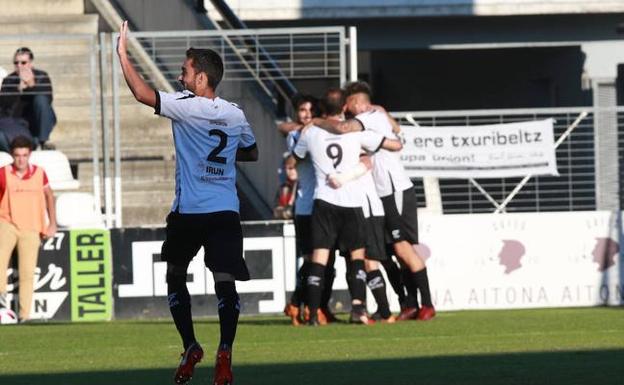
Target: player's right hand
122 40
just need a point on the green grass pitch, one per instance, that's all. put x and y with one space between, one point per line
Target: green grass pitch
548 346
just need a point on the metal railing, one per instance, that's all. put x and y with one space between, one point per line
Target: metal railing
299 53
573 190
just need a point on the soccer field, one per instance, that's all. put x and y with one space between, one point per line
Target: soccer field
549 346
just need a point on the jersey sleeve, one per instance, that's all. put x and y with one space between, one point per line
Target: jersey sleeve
247 138
371 141
46 181
291 140
365 121
175 106
2 182
301 147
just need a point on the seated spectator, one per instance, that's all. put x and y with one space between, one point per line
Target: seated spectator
11 128
26 94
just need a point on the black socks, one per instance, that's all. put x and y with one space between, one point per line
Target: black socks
377 284
357 275
421 280
180 303
316 275
229 309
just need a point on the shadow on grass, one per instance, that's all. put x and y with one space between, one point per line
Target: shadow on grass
576 367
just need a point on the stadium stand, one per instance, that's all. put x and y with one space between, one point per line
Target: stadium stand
56 166
146 139
5 159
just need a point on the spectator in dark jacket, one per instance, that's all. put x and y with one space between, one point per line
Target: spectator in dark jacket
27 94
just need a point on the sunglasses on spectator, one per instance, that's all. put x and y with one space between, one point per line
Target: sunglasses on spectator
20 62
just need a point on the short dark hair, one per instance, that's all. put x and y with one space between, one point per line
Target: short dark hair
20 142
25 50
332 105
358 87
300 99
209 62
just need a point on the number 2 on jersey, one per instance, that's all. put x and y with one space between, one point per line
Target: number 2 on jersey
214 154
334 151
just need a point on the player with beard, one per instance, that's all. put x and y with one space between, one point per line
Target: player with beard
210 136
375 230
396 192
337 217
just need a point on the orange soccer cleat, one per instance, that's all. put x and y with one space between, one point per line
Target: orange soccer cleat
292 311
329 316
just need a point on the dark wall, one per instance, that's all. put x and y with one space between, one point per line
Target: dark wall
418 33
411 69
477 79
160 15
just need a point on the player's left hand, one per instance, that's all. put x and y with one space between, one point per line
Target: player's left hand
50 232
334 181
122 40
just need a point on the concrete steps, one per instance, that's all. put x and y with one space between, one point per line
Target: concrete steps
146 141
146 216
48 24
147 189
41 7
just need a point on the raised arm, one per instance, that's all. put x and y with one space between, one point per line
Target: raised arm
142 92
337 127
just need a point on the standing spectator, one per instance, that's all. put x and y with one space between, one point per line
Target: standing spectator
26 93
25 199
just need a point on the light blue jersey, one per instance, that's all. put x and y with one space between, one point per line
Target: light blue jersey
306 179
206 134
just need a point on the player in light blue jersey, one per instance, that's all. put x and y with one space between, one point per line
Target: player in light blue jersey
210 135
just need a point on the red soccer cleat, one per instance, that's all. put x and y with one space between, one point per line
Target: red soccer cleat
408 313
426 313
191 357
292 311
223 368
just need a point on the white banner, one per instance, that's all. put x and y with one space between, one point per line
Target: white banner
485 151
474 261
509 261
